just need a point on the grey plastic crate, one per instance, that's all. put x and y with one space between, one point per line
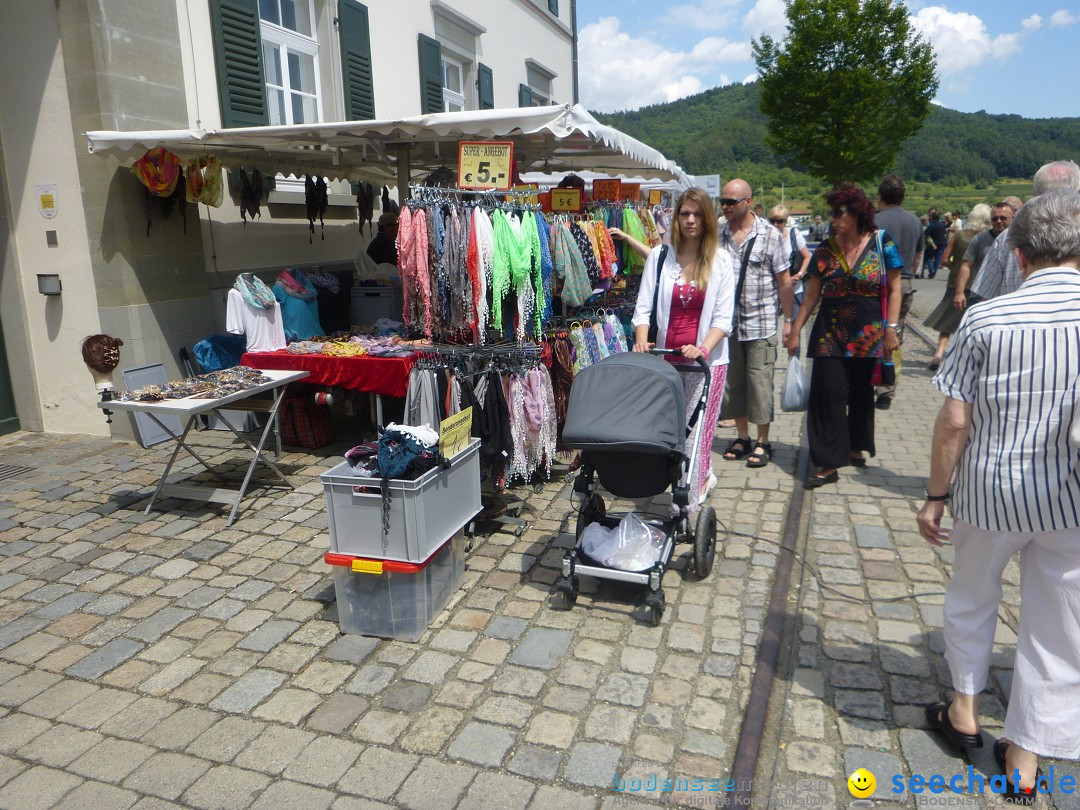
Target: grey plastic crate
398 604
423 512
369 304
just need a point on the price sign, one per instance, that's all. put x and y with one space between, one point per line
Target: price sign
485 164
656 196
454 433
531 198
566 199
544 198
606 189
631 191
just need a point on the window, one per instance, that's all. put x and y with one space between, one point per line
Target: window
290 61
553 7
538 80
453 84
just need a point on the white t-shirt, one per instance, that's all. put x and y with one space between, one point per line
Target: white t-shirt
262 327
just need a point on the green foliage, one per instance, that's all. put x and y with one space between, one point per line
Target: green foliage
872 79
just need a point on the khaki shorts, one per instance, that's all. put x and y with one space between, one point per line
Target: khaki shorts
748 393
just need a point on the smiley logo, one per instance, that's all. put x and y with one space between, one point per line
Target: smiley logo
861 783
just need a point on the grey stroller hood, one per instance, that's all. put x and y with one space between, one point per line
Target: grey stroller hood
627 402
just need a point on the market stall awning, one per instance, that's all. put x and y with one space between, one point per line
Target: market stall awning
550 139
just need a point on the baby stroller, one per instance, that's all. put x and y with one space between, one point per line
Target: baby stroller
637 451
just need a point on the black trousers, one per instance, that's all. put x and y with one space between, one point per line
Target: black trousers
840 416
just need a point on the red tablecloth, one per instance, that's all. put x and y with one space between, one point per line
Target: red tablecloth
377 375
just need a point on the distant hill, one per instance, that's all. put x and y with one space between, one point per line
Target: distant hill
721 129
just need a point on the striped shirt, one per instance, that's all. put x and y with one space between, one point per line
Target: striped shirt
999 273
760 301
1016 359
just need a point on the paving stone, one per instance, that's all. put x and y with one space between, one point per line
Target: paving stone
159 624
872 537
273 750
482 744
406 697
698 741
860 704
105 659
179 730
323 762
592 764
434 785
506 627
541 648
379 727
624 689
371 679
227 788
57 699
430 667
512 793
100 706
453 640
288 706
19 629
248 691
291 794
883 765
378 773
855 676
811 757
520 681
98 794
535 762
199 598
205 550
60 745
337 713
547 796
64 605
268 636
609 723
111 760
226 738
37 788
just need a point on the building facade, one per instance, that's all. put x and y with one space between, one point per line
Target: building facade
160 284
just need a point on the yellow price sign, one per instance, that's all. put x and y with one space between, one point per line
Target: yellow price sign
485 164
455 432
530 199
566 199
656 196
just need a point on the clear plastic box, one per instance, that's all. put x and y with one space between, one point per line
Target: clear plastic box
393 599
423 512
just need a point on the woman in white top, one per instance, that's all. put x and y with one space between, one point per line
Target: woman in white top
694 303
800 253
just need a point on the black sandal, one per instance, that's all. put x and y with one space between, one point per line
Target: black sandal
937 715
757 459
738 449
1014 793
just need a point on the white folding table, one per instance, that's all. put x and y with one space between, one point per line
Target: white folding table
191 408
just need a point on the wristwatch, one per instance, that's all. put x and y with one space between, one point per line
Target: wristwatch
893 326
944 497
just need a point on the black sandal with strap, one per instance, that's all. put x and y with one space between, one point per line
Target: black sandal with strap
738 449
761 459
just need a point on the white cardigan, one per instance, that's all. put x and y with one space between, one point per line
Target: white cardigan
719 300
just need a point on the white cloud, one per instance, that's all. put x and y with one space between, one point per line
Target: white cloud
1032 23
766 17
1063 17
962 42
621 72
704 14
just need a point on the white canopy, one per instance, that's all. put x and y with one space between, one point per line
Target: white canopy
558 138
546 180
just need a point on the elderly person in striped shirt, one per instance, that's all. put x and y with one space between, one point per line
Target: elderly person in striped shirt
1012 394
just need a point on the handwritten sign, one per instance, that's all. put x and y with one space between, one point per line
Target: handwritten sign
656 196
485 164
606 189
631 191
566 199
454 433
531 198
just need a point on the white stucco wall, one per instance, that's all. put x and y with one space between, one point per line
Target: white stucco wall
54 391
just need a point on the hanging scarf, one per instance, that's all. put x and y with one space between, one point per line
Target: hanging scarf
324 281
365 205
296 284
251 192
500 265
571 267
204 181
158 170
316 198
485 253
413 264
254 291
543 289
631 223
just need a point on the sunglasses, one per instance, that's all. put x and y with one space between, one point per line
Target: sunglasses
732 200
999 219
836 213
777 221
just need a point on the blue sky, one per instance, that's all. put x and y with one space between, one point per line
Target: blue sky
993 55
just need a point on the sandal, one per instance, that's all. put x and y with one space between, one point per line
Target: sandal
819 480
937 715
1014 793
738 449
858 461
757 459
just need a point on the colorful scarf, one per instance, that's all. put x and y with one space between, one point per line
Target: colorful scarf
254 291
204 181
296 284
325 281
158 170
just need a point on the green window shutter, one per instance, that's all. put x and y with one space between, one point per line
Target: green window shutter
485 87
356 60
238 50
431 78
524 96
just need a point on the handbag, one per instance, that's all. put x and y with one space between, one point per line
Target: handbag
305 424
884 372
654 327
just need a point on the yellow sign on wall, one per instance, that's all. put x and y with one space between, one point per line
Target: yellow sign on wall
485 164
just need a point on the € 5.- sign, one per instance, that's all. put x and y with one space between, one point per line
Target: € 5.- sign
485 164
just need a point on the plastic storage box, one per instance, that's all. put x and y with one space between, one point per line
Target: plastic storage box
369 304
423 512
393 599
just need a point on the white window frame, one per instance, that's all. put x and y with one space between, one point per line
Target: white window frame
454 96
540 79
284 40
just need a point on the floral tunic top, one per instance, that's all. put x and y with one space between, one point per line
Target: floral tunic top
849 322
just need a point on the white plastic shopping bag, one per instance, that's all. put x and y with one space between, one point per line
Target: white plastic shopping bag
795 393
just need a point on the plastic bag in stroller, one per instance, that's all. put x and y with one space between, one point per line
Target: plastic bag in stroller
635 451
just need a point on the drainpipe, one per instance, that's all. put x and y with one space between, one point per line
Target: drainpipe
573 46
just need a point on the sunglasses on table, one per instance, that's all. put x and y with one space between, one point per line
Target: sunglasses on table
732 200
836 213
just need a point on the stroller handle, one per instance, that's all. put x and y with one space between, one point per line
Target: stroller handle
699 360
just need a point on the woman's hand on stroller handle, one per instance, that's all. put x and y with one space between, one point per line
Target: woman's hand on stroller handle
644 346
688 351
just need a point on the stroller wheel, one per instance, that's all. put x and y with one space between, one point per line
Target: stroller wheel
705 541
654 608
566 593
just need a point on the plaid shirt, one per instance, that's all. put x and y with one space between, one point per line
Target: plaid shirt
756 309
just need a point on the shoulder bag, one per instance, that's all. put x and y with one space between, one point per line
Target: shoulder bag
884 372
653 326
738 287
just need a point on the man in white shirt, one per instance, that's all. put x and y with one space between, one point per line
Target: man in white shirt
1009 430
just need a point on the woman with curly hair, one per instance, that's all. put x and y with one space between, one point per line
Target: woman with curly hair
847 274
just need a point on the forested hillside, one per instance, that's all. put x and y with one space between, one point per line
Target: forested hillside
721 131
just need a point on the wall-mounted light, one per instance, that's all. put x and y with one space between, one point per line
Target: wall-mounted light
48 283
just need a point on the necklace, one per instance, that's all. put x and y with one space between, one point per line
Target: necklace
686 293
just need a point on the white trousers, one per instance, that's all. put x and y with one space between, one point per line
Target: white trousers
1044 705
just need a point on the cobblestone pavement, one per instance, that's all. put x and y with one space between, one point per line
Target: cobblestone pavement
165 660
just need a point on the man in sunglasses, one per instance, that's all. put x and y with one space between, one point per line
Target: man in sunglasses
1000 272
907 232
760 258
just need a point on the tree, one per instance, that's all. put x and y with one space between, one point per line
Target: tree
848 85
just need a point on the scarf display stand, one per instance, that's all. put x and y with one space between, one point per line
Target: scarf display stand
191 409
